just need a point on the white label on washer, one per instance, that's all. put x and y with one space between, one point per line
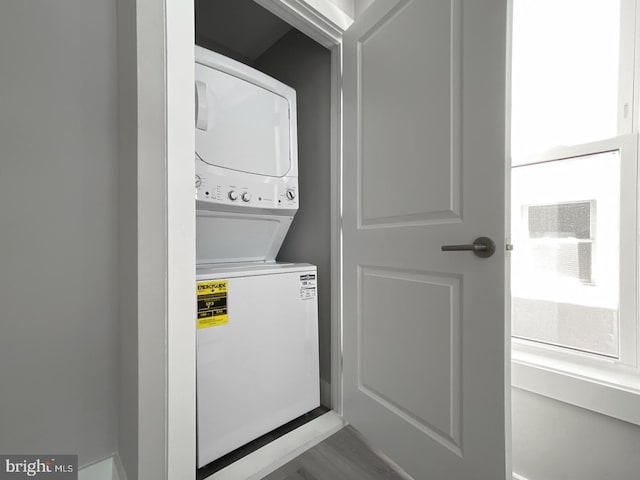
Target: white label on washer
308 286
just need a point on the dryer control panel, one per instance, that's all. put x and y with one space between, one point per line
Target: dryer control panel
272 193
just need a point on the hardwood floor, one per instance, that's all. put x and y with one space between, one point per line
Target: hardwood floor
343 456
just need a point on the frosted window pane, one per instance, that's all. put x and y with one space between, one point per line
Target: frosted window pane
565 267
564 73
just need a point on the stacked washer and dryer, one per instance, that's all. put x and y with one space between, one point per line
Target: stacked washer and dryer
257 325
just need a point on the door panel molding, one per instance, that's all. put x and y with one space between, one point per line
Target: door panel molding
448 433
440 201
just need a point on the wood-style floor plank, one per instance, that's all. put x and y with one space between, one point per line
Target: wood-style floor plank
343 456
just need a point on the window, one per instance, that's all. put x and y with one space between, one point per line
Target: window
574 198
566 77
565 272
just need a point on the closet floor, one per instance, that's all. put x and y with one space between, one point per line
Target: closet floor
245 450
343 456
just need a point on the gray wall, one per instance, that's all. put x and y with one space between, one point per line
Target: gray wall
306 66
553 440
58 227
361 5
240 29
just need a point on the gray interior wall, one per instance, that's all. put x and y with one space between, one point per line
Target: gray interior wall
306 66
239 29
553 440
360 6
58 228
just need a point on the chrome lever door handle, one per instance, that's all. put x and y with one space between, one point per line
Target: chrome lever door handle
482 247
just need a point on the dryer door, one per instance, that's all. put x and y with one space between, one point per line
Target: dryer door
241 126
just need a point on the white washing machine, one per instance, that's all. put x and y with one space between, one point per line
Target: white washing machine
257 352
257 335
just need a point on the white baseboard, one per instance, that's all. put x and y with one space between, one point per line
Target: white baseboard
272 456
325 393
102 470
118 469
108 469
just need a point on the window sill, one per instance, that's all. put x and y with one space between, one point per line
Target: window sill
607 388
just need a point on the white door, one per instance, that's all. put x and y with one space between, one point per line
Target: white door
425 358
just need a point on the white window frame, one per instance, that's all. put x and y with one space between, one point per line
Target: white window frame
605 385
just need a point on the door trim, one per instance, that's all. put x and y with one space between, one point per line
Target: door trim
170 45
319 19
156 248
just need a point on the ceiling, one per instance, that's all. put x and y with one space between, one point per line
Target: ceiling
241 29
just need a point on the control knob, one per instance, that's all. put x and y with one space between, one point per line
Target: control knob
198 181
233 196
291 194
246 197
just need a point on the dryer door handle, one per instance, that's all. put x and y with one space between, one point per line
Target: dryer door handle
202 110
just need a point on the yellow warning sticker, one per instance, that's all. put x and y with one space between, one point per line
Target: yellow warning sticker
212 303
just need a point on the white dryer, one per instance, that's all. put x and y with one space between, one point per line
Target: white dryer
257 336
246 161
